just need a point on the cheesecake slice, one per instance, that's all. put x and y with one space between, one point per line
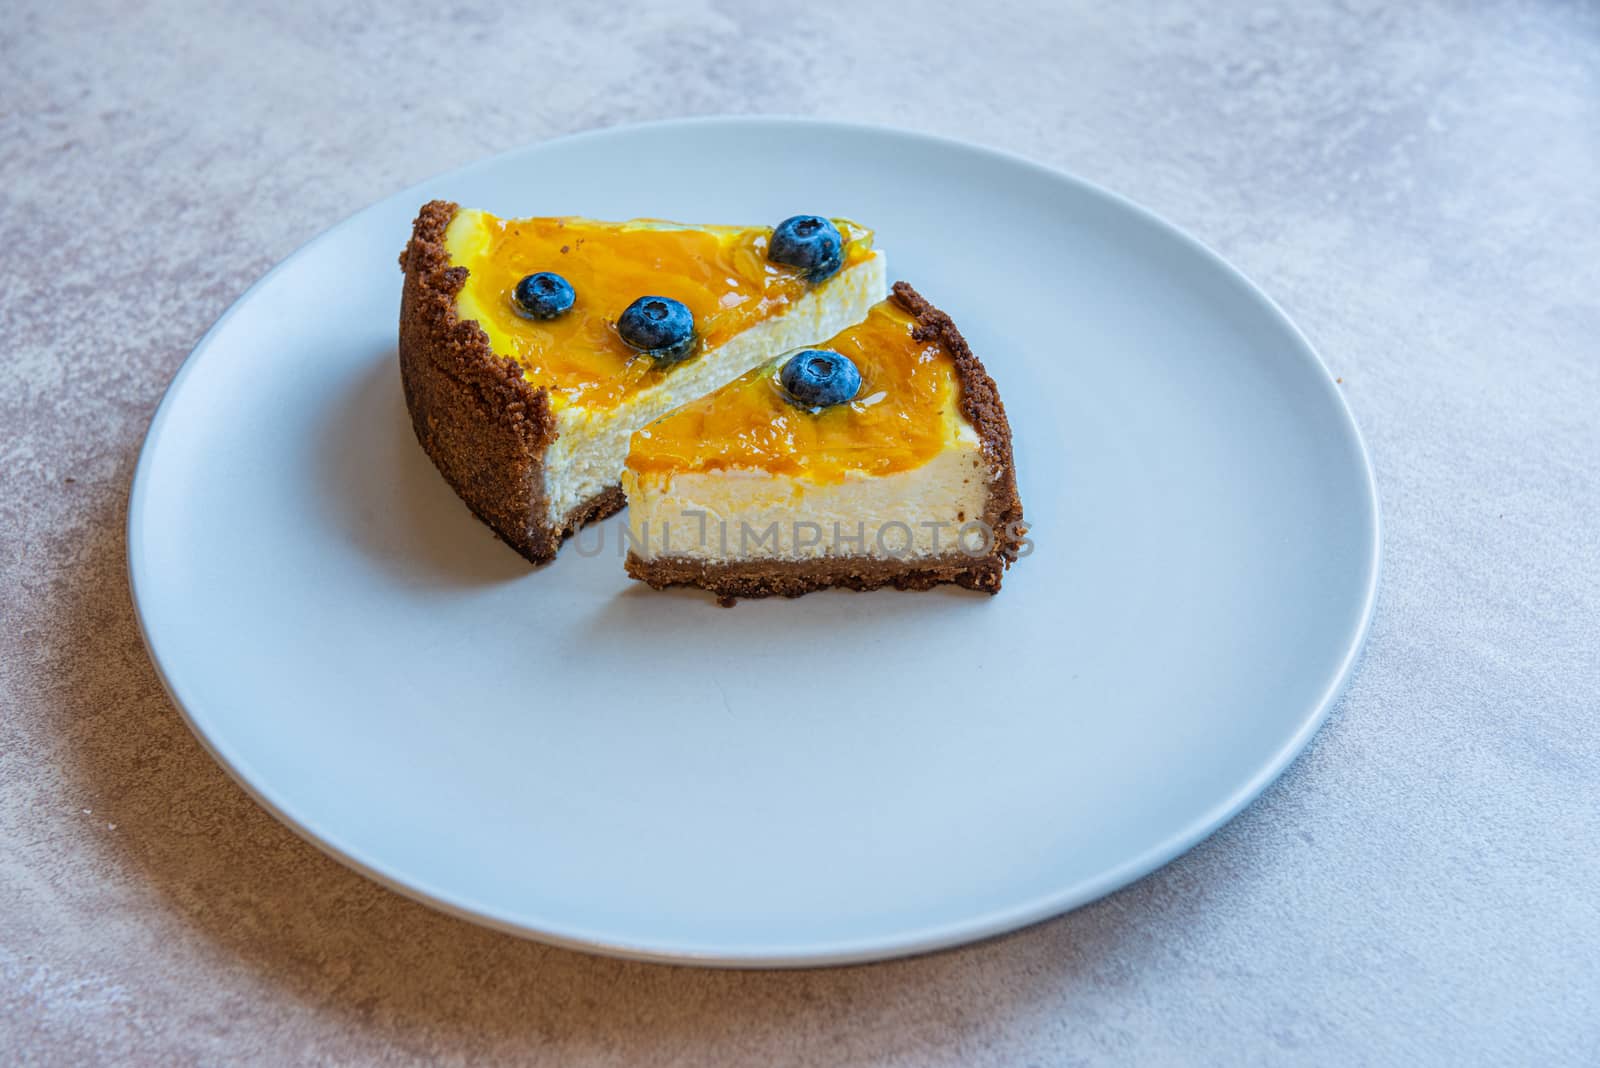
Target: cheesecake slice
532 349
880 458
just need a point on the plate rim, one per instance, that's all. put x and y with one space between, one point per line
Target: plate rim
859 951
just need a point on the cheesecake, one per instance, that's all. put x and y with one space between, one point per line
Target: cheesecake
880 457
531 350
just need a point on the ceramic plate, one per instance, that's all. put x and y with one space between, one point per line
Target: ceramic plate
567 755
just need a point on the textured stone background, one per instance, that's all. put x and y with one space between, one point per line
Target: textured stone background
1418 183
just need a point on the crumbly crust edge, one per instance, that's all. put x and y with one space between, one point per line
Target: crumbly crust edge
980 403
480 422
791 578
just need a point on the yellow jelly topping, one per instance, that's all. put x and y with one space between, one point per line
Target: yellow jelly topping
904 414
720 272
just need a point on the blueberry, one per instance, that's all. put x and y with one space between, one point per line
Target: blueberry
545 295
659 327
810 243
819 378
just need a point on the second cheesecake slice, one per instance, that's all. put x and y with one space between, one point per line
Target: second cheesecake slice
880 458
532 349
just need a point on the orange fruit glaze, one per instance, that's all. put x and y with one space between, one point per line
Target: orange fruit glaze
904 414
721 273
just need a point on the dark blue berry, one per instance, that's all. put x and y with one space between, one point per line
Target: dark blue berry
819 378
543 296
810 243
659 327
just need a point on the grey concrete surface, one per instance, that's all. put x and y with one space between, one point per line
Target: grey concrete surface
1417 183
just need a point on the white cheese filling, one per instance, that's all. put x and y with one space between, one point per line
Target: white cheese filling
721 516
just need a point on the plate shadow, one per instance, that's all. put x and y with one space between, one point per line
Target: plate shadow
384 494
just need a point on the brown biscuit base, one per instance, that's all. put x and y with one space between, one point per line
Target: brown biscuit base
791 578
482 424
980 403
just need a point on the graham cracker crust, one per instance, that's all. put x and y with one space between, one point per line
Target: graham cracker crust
791 578
485 428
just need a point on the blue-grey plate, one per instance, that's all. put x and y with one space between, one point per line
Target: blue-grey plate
565 755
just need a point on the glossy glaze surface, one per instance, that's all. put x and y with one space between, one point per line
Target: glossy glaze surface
721 272
902 416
